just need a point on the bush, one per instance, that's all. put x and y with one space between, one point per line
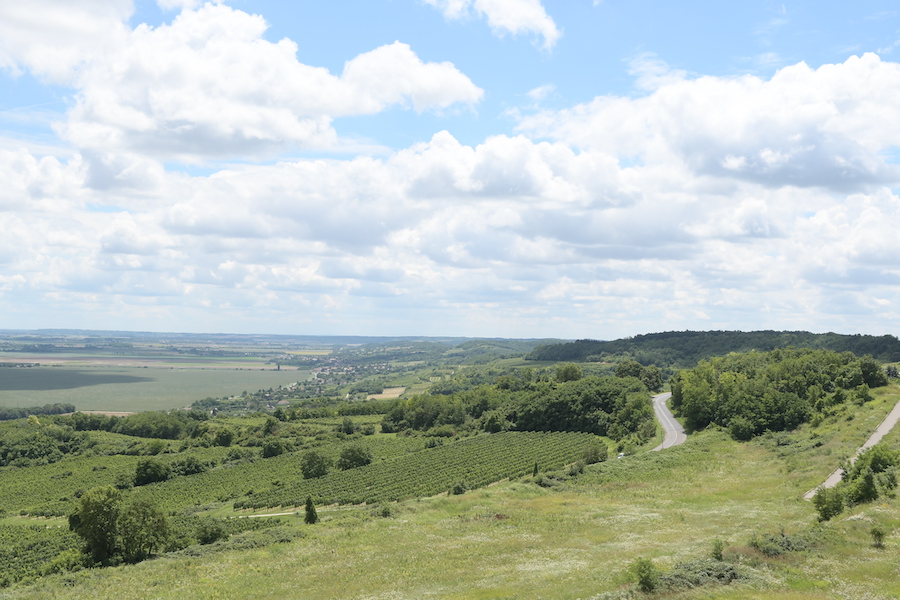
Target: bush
149 470
829 502
718 546
190 465
878 536
272 447
700 572
354 456
458 488
209 531
776 544
313 464
741 429
595 452
646 574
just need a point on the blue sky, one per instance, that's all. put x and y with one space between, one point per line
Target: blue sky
509 168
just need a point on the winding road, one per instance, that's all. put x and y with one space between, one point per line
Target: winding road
880 432
674 431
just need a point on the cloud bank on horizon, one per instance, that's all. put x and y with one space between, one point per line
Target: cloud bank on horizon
509 168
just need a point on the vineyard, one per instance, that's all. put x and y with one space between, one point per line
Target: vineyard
475 462
34 550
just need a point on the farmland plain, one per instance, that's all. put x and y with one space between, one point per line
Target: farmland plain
135 379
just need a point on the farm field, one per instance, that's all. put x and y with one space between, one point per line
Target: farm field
132 389
460 493
519 540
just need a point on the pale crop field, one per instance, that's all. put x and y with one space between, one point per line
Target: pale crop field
132 389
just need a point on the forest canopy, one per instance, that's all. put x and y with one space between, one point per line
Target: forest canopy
684 349
757 391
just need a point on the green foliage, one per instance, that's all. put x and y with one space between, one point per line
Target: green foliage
354 456
142 528
776 544
347 426
31 551
646 574
878 534
8 413
209 531
698 573
273 447
596 451
684 349
568 372
150 470
829 502
458 488
478 461
602 405
27 443
314 464
778 390
718 547
95 521
110 529
311 517
223 437
189 465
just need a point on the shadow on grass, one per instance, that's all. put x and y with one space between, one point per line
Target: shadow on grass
38 379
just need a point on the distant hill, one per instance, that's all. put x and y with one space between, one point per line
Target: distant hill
684 349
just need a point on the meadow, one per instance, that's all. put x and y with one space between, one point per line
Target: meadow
559 535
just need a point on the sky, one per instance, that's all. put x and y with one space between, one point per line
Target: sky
487 168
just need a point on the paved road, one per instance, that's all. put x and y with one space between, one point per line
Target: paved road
880 432
674 431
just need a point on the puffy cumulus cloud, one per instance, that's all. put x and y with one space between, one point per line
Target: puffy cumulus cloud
508 237
208 84
825 127
53 38
505 16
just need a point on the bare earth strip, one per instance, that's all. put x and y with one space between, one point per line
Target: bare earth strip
674 431
880 432
388 393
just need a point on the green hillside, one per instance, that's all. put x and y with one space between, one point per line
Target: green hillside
684 349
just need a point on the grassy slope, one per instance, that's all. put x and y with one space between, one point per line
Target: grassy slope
517 540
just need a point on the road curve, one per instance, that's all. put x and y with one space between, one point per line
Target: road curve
880 432
674 431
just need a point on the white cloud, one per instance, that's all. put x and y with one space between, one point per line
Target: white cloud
53 38
804 127
177 4
210 85
505 16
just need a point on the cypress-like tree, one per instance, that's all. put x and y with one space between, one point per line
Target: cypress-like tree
311 516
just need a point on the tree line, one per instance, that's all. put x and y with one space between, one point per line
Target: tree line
684 349
778 390
618 407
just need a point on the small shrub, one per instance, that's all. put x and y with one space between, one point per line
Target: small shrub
829 502
209 531
457 488
700 572
878 535
595 452
354 456
646 574
776 544
273 447
718 546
